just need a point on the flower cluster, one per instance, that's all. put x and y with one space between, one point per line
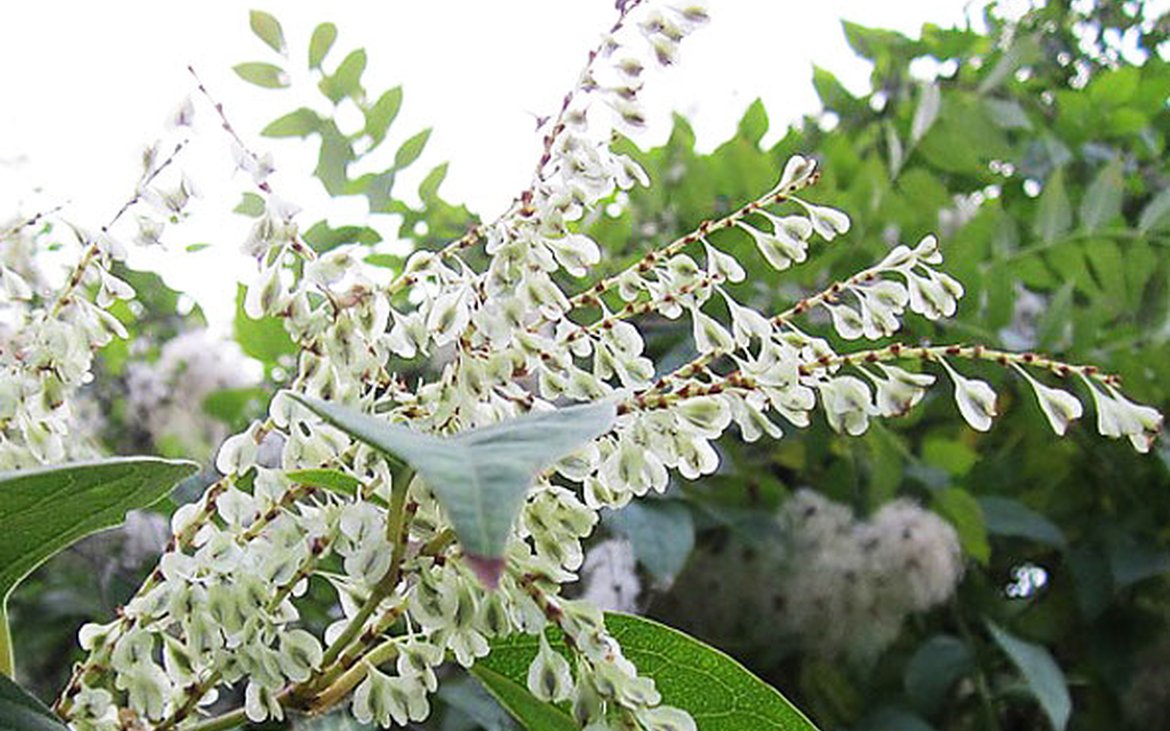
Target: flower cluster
301 499
828 583
166 396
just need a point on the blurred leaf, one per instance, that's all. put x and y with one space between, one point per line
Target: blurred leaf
892 719
319 45
1007 113
1102 201
380 116
1053 212
193 248
267 28
1043 676
332 480
250 205
411 149
962 510
661 532
428 189
322 237
236 406
20 711
264 339
333 160
1055 317
1156 214
1131 562
262 74
1007 517
936 666
480 476
470 698
950 454
926 112
754 123
346 81
299 123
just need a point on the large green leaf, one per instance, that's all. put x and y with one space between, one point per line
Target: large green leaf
1040 671
45 510
20 711
479 475
716 690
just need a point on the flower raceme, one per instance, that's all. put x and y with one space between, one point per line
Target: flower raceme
496 343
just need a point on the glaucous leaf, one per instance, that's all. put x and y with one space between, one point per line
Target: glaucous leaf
480 476
1043 676
20 711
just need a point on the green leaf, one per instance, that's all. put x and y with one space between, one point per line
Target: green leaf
380 116
754 123
21 711
299 123
332 480
267 28
347 79
962 510
320 43
926 112
48 509
1156 215
333 160
1008 517
411 149
235 406
936 666
1040 671
480 476
250 205
428 189
262 74
1102 201
512 693
716 690
1007 113
661 532
1053 213
323 238
265 339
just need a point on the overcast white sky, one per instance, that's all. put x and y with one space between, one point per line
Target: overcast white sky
87 84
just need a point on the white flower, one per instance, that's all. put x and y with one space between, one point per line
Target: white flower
709 334
900 390
975 399
1061 408
549 677
827 222
847 404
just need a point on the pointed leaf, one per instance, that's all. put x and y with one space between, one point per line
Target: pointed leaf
1008 517
1156 214
718 692
266 75
320 43
480 476
935 667
411 149
267 28
347 79
21 711
1053 213
926 112
380 116
1102 201
1043 675
299 123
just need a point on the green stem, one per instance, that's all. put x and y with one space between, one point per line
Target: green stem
395 527
7 659
229 720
